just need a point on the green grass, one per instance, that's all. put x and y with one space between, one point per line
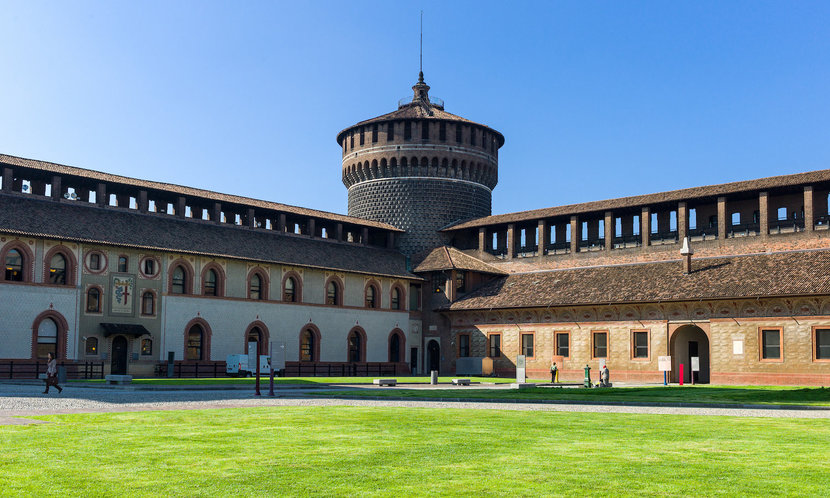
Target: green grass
398 452
818 396
293 380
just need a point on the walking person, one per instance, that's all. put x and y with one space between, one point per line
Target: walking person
52 374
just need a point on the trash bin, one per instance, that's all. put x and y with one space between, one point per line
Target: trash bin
61 375
433 377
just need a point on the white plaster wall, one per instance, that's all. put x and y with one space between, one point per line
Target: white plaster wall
229 319
21 304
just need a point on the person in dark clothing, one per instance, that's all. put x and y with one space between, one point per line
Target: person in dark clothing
52 374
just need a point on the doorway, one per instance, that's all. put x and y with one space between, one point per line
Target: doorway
687 342
119 356
433 356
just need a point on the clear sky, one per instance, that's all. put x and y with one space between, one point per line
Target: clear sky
595 99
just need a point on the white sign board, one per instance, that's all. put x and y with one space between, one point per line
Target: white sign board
695 364
737 347
664 363
521 378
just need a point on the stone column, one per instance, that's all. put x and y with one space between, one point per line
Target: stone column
364 236
181 207
763 208
56 188
8 176
217 212
142 201
251 221
281 224
609 230
311 227
101 195
511 241
542 235
645 225
682 221
722 218
809 216
482 235
575 235
390 239
338 230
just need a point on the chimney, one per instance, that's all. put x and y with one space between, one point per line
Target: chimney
686 252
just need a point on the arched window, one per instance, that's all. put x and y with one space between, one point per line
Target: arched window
122 264
332 293
255 336
396 298
195 338
371 300
14 266
307 345
395 348
178 284
47 339
57 269
93 300
256 286
289 290
148 303
209 285
355 347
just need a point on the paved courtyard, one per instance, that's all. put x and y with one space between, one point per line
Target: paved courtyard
18 401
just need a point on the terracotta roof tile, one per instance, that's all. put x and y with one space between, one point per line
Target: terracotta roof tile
450 258
187 191
761 275
82 222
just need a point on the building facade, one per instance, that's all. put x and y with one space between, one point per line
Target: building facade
419 276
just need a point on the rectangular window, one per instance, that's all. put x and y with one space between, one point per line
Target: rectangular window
458 133
472 136
599 346
771 344
822 344
527 345
464 345
374 133
495 345
361 137
563 344
122 263
425 130
639 344
407 130
442 131
390 132
414 297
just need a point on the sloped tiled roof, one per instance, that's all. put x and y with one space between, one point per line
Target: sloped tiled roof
419 111
686 194
450 258
187 191
762 275
81 222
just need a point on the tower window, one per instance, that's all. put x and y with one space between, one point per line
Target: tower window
390 131
442 132
351 141
361 136
374 133
425 130
472 136
407 130
458 133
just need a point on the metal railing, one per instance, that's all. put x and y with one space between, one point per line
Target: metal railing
297 369
742 230
624 241
27 369
558 248
437 102
778 226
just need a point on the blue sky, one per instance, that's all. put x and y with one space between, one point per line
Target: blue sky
596 99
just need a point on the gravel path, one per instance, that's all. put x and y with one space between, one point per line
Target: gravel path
26 400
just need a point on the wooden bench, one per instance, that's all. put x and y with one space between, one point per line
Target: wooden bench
461 382
385 382
118 379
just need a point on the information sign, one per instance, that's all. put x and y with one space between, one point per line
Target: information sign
521 378
664 363
695 364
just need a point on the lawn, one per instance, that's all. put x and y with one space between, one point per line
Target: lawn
264 380
818 396
395 451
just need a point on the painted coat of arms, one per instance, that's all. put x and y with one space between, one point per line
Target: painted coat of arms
122 294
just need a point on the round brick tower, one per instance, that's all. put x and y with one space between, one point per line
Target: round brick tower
420 169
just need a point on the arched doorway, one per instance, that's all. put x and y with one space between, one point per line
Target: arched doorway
119 355
686 342
433 356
